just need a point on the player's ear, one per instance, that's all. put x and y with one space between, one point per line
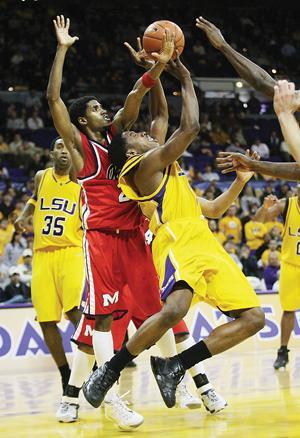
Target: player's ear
82 121
51 155
130 152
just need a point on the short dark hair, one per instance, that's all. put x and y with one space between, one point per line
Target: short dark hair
117 151
78 108
52 145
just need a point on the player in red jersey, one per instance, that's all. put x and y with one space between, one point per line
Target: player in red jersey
115 249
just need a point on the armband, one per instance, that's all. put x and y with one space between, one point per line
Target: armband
147 81
31 201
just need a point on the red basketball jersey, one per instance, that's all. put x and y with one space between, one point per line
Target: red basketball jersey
104 204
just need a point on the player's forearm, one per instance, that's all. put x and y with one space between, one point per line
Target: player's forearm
256 76
291 132
288 171
190 107
28 210
55 77
261 215
158 106
221 204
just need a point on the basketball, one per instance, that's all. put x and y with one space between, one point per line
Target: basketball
153 35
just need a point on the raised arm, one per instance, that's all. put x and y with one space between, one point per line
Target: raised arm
28 211
270 209
286 103
231 161
158 159
217 207
125 118
256 76
158 106
59 112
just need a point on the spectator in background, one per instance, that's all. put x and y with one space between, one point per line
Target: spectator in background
285 151
249 262
254 231
272 247
14 122
219 136
14 249
15 291
212 187
4 148
271 271
254 105
5 235
214 228
25 268
235 146
230 225
261 148
248 199
274 143
35 121
209 175
7 205
33 100
16 145
230 248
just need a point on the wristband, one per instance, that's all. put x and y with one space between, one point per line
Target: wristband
31 201
147 81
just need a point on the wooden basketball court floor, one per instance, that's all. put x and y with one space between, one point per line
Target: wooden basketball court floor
262 403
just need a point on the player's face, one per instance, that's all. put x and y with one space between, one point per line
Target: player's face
96 116
141 142
298 190
60 155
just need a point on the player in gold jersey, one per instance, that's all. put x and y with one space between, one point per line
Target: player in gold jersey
189 261
58 264
289 209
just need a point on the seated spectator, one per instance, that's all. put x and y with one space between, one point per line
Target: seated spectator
14 249
271 271
33 100
14 122
248 199
219 136
235 146
16 145
273 247
285 151
274 142
254 105
35 121
230 248
4 148
6 205
214 228
209 175
212 187
5 235
230 225
274 223
249 262
4 276
25 268
15 291
261 148
254 232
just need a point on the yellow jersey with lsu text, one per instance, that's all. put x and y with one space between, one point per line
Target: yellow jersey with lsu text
173 199
290 250
57 214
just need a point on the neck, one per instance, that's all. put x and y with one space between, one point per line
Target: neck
96 135
61 172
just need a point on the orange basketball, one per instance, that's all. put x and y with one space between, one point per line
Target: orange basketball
153 35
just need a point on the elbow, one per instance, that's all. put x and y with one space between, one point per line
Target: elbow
193 129
51 97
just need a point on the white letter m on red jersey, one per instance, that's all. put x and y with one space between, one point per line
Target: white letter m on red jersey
107 299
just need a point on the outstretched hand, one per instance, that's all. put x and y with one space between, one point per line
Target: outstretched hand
234 161
286 99
270 201
213 34
176 68
241 173
62 31
139 56
167 50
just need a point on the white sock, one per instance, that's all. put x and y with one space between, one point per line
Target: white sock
167 345
104 350
196 369
82 365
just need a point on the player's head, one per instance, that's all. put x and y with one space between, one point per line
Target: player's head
60 154
129 143
87 112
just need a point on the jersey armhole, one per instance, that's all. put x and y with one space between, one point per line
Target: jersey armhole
285 210
40 184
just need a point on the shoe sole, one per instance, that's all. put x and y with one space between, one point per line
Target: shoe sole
189 406
67 421
154 370
135 426
215 411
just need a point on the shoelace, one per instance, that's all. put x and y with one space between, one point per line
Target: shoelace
123 410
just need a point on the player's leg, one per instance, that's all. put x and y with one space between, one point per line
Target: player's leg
175 308
48 308
212 401
286 326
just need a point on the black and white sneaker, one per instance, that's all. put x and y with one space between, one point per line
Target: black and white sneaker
282 358
168 374
98 384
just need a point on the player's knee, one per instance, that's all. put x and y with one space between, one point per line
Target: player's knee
171 315
255 319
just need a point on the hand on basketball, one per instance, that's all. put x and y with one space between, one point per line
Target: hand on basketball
176 68
62 31
241 173
234 161
140 56
168 45
270 201
286 99
213 34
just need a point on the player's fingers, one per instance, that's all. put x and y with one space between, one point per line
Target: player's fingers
76 38
62 18
291 86
204 21
139 44
225 165
58 20
55 24
228 170
130 48
68 23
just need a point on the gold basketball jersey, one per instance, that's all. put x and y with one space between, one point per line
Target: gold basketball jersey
290 251
57 215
